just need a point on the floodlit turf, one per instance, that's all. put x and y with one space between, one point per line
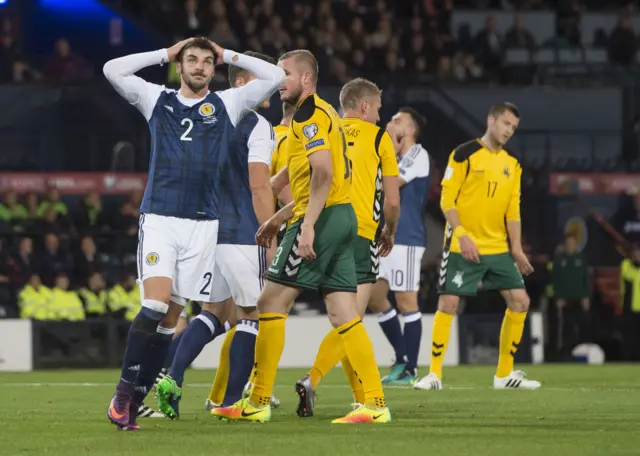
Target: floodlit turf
581 410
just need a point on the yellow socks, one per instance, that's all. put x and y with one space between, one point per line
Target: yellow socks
330 353
510 335
219 387
359 350
439 341
354 381
269 346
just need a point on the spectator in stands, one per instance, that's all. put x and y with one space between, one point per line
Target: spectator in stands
32 203
87 261
66 65
623 43
11 211
22 73
6 292
66 304
489 49
190 19
53 200
630 305
9 53
518 37
22 264
53 261
94 296
124 297
90 218
34 300
571 292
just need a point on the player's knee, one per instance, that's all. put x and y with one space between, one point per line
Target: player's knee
155 310
407 301
520 302
247 313
448 304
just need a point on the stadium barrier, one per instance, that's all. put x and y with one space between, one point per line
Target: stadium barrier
26 345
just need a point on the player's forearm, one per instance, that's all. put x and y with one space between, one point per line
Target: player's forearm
285 214
263 204
285 196
318 193
391 216
128 65
514 231
453 219
258 67
280 181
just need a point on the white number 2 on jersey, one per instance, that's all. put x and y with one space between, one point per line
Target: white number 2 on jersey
185 135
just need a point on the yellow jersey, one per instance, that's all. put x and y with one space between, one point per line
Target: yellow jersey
484 186
315 127
370 150
279 156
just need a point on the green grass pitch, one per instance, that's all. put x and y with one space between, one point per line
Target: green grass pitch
580 410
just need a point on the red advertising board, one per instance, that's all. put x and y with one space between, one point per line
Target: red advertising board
73 183
592 184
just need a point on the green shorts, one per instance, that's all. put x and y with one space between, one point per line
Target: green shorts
367 260
460 277
334 268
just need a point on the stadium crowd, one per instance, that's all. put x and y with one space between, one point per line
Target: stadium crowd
379 39
57 258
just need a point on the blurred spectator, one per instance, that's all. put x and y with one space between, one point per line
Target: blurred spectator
622 43
518 37
22 73
9 53
34 300
630 305
94 295
53 200
22 264
222 34
11 211
53 261
571 292
65 303
124 298
489 49
90 216
5 273
190 19
87 261
31 202
65 65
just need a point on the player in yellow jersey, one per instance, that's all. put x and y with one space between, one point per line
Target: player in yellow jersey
278 162
375 169
481 202
317 251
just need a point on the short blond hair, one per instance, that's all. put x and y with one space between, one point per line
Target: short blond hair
305 57
355 90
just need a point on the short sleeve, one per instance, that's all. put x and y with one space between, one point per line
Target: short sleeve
261 142
414 165
387 156
314 133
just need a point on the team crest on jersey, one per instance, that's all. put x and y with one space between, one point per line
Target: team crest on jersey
309 131
207 110
152 258
506 172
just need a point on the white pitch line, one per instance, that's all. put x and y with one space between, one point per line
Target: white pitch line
631 388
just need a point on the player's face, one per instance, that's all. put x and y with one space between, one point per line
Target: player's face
371 109
401 125
291 88
196 68
503 127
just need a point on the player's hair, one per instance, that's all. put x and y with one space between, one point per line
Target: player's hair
199 42
498 109
288 109
419 121
306 57
355 90
236 71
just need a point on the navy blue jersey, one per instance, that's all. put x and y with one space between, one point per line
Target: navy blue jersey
414 171
189 144
189 137
252 141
